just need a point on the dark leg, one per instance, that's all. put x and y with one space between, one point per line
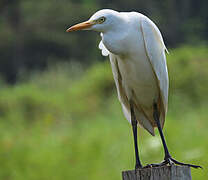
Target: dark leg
134 128
156 117
168 159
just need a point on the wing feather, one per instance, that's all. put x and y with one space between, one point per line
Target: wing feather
140 114
155 50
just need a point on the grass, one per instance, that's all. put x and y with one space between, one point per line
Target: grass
56 125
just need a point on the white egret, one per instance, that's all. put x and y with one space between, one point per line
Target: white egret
137 55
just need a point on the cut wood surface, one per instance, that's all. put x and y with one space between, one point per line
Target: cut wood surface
159 173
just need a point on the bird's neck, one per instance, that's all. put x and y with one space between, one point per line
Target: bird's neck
115 41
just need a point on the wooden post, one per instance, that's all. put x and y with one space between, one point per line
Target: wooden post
172 172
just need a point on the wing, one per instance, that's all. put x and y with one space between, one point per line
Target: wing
143 120
155 50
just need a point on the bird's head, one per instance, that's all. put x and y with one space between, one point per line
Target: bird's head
101 21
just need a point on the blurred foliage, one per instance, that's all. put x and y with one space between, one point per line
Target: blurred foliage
67 123
33 34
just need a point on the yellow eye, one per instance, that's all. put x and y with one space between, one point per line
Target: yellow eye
102 19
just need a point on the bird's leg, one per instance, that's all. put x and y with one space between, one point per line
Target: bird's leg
134 128
168 159
156 117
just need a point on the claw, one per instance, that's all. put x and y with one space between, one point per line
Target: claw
171 161
184 164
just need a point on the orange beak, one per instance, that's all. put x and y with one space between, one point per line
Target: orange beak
80 26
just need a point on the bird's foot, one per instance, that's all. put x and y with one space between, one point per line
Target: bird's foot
138 166
171 161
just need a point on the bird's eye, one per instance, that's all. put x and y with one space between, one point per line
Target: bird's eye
102 19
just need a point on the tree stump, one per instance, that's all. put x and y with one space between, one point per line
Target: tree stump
172 172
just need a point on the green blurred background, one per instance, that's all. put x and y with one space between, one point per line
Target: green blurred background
59 113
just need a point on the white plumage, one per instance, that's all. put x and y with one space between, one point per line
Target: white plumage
140 73
136 50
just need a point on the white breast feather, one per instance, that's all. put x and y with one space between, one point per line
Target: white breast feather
103 49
